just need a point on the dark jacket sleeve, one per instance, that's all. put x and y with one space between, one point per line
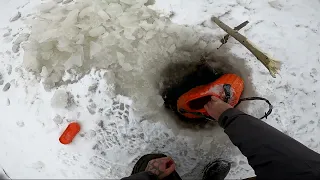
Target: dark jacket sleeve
142 176
272 154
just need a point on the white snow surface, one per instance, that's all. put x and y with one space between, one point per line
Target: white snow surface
100 63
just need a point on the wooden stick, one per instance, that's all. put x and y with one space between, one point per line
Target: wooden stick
225 38
271 64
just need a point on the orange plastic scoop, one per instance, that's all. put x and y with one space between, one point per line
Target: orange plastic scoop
70 132
194 100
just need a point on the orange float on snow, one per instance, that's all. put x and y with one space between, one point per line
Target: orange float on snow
228 87
70 132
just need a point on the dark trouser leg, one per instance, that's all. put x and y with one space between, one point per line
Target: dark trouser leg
272 154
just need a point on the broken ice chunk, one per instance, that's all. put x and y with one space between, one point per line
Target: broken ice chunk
86 12
146 26
45 36
150 35
173 28
44 72
114 9
140 33
158 100
46 7
15 17
53 17
47 46
55 77
193 39
46 55
128 20
123 64
48 84
71 18
172 48
30 61
126 66
79 39
64 45
103 15
160 25
59 99
98 31
74 60
145 14
128 33
94 48
109 40
202 44
126 45
120 56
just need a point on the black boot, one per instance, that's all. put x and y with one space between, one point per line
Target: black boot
142 163
216 170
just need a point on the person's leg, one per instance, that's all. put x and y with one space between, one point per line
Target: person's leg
272 154
142 163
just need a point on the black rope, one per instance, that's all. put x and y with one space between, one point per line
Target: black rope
261 99
183 111
266 114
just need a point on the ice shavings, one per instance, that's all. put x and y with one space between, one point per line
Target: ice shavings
125 36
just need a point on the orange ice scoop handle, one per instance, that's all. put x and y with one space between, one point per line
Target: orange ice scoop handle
71 131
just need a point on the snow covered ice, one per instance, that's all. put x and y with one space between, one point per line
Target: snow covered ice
102 63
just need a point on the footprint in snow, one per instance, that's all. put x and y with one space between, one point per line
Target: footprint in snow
6 87
20 123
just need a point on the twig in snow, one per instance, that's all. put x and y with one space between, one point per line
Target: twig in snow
225 38
271 64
